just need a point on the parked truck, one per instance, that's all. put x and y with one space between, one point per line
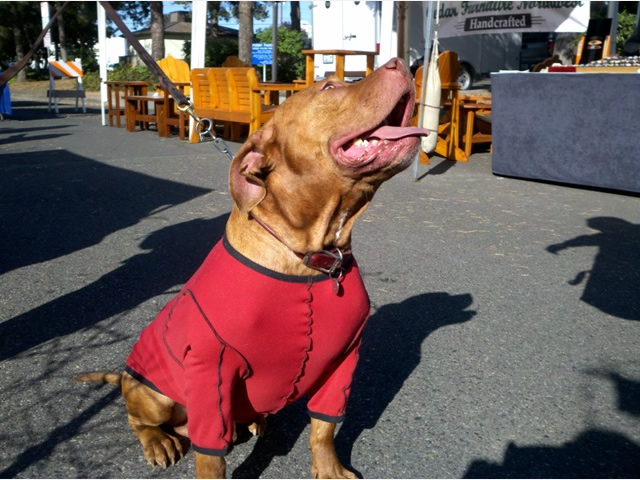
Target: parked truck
479 55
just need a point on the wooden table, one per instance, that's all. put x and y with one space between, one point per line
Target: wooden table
173 116
136 112
340 57
270 89
475 131
113 96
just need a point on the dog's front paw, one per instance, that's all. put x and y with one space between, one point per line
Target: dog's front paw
335 470
161 448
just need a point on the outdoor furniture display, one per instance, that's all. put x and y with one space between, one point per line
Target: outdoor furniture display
173 116
164 113
60 69
246 103
449 130
475 120
581 132
177 71
115 109
137 112
340 59
210 97
465 120
233 97
137 100
180 75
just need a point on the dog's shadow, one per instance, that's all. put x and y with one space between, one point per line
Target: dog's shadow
391 350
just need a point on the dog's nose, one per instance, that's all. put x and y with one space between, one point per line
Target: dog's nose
391 64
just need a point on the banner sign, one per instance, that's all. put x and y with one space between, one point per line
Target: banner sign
262 54
471 18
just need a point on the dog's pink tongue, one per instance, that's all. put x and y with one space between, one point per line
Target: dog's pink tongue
394 133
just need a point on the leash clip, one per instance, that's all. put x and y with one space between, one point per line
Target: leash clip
204 128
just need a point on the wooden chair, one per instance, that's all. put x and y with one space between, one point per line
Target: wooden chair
211 97
202 101
449 130
465 119
246 103
179 73
231 97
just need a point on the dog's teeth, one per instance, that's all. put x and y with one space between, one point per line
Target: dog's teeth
358 142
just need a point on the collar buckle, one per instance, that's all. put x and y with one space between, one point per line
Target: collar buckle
329 262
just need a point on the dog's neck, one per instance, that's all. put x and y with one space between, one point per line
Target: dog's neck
280 246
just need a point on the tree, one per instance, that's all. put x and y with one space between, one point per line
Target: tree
245 34
290 60
20 25
157 31
62 36
295 16
80 33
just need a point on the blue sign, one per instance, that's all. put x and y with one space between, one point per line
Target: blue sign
262 54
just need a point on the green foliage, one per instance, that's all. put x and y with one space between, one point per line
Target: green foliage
24 17
626 26
217 49
91 80
291 62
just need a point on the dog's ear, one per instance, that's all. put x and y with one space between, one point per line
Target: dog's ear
246 180
250 167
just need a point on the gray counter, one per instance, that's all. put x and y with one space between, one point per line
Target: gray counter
575 128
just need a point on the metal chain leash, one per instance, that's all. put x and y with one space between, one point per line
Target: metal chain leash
204 128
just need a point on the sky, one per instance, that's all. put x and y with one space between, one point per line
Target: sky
283 14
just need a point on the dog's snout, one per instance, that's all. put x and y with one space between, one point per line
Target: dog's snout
391 64
395 65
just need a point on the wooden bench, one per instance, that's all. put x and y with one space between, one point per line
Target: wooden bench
231 97
210 96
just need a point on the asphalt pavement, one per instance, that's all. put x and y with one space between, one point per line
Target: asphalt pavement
503 342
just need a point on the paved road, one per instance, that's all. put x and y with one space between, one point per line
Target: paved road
503 341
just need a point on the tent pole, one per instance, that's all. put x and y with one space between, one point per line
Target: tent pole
427 49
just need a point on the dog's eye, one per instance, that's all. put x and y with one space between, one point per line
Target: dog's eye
330 86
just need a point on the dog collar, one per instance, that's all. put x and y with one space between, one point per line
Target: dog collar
331 262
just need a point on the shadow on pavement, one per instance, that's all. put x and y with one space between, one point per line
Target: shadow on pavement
593 454
613 283
55 203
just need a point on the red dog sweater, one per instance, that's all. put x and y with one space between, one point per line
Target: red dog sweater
240 341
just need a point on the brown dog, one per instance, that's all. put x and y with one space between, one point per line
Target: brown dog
277 309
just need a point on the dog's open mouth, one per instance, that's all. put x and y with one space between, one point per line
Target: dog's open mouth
381 142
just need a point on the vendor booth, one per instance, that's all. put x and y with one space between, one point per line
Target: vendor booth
575 128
